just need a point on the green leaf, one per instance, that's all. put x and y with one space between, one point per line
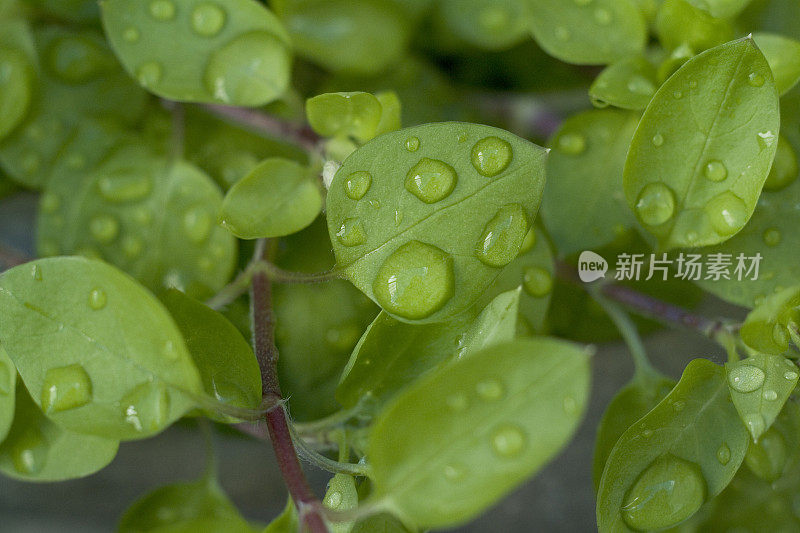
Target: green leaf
392 354
458 440
765 328
585 169
588 33
344 114
184 508
226 362
278 197
8 385
678 23
197 51
341 496
380 523
391 112
721 8
423 218
704 147
785 168
37 449
490 24
629 84
286 522
630 404
682 453
82 11
152 218
358 38
759 386
783 56
115 366
16 89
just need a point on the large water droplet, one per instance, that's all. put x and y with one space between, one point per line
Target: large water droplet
655 204
723 454
208 19
727 213
508 441
571 143
104 228
249 71
772 236
162 9
491 156
29 451
755 79
415 281
715 171
490 389
197 224
124 185
503 235
431 180
66 387
149 74
351 233
97 299
146 407
357 184
669 491
412 144
537 282
746 378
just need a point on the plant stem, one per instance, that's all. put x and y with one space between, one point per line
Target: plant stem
277 422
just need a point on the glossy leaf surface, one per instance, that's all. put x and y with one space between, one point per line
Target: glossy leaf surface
629 84
766 327
783 56
678 23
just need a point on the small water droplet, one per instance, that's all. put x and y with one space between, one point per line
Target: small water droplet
746 378
503 235
640 85
723 454
454 472
572 143
412 144
772 236
149 74
765 139
537 282
97 299
170 351
146 407
490 389
655 204
36 272
351 233
658 140
49 203
333 499
357 184
562 33
431 180
208 19
415 281
124 186
491 156
791 376
162 10
603 16
647 433
131 34
678 405
104 228
677 95
197 224
727 213
508 441
28 451
64 388
755 424
770 395
398 217
755 79
715 171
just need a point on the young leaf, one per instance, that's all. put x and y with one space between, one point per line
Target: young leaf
286 522
235 52
629 84
678 23
423 218
783 56
278 197
765 328
100 354
630 404
8 385
391 112
36 449
759 387
721 8
457 440
345 114
185 507
16 89
785 168
585 169
391 354
490 24
151 218
679 455
588 33
341 496
704 147
226 362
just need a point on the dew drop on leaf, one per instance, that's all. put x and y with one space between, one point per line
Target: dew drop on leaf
149 74
655 204
457 402
770 395
755 79
603 16
454 472
162 10
755 423
765 139
412 144
146 407
431 180
64 388
29 452
790 375
503 236
351 233
508 441
104 228
657 140
124 186
490 389
537 282
208 19
746 378
715 171
36 272
572 143
97 299
491 156
723 454
727 213
131 35
357 184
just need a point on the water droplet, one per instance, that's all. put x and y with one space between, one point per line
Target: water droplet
723 454
36 272
678 405
658 140
647 433
431 180
97 299
170 351
457 402
208 19
537 282
669 491
49 203
197 224
503 235
727 213
715 171
415 281
572 143
770 395
412 144
398 217
162 9
250 70
357 184
791 376
131 35
146 407
656 204
755 424
772 236
765 139
508 441
491 156
454 472
351 233
28 451
746 378
602 16
333 499
755 79
677 95
562 33
64 388
149 74
490 389
104 228
124 185
640 85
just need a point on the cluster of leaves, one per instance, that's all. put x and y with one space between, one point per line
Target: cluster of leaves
434 365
